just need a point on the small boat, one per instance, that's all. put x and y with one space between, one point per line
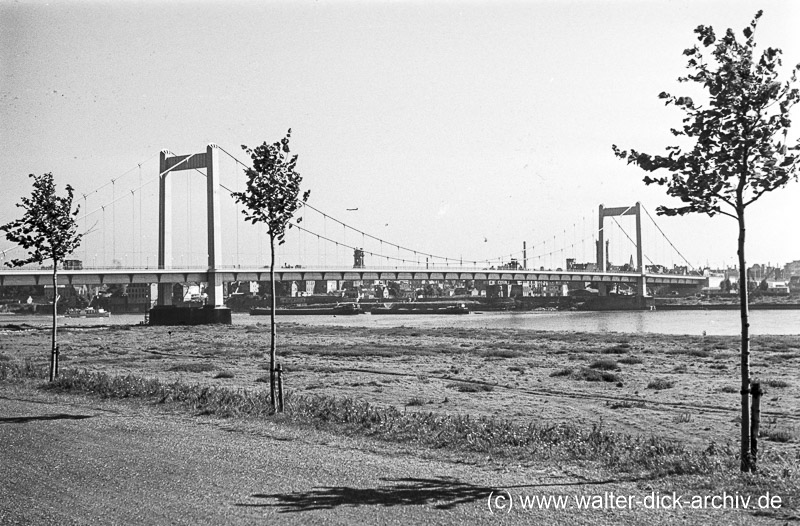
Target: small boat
421 308
342 309
88 312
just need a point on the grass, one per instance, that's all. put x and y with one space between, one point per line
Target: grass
630 360
683 418
605 365
661 383
501 353
493 436
587 374
224 374
627 404
26 369
777 434
193 367
697 353
779 384
621 348
468 387
592 375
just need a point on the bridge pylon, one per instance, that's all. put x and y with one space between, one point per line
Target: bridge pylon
208 160
602 260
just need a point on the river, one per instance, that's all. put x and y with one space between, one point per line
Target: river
711 322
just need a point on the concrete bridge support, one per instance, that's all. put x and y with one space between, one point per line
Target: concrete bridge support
209 161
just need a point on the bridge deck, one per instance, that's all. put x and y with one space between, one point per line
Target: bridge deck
12 277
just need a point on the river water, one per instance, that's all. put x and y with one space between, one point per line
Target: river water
721 322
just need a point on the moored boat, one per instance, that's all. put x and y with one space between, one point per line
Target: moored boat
336 310
88 312
421 308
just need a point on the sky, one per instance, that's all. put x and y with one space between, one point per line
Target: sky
455 128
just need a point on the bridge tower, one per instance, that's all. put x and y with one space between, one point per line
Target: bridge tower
602 263
208 160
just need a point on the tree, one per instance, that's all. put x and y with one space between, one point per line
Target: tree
48 231
272 196
737 151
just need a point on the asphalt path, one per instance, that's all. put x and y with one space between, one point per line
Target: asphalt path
68 459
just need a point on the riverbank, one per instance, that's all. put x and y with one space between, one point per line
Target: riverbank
636 383
680 389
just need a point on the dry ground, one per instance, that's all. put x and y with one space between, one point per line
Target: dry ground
683 387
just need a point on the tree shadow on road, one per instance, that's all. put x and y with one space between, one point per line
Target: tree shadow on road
443 493
24 419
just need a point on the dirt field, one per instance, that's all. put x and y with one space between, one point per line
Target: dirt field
683 387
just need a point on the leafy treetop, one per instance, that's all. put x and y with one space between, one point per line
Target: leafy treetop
740 137
273 187
47 229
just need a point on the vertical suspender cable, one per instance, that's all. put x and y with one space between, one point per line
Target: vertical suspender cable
113 223
85 231
141 235
133 227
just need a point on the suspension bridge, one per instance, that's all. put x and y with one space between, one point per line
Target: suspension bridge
202 237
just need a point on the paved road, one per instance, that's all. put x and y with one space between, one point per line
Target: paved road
75 460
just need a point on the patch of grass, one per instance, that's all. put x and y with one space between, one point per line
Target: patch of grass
605 365
517 369
697 353
469 387
201 367
777 434
263 379
4 358
728 389
416 402
683 418
318 368
362 351
718 366
592 375
682 368
626 404
661 383
630 360
26 369
772 382
224 374
501 353
495 437
566 371
621 348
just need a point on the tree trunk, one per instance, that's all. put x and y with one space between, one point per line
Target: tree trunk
273 332
745 315
55 322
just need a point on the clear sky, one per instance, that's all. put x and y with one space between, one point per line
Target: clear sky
458 128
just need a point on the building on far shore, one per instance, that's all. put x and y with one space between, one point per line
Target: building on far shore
791 269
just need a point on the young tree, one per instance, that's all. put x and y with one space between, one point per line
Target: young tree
48 231
272 196
737 151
